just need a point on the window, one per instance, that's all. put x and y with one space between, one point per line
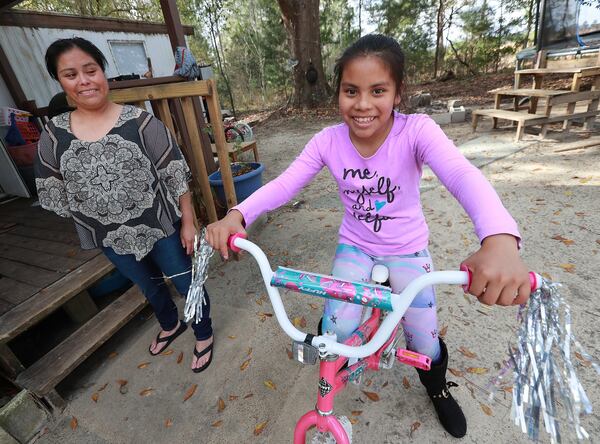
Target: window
130 57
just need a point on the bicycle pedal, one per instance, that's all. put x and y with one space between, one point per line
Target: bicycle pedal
304 353
414 359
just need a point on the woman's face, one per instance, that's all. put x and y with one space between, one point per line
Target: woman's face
82 79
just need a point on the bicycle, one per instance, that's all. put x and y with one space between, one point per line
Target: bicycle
373 343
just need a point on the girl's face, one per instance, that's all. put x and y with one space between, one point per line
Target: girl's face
82 79
367 97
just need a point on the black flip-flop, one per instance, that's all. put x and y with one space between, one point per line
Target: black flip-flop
168 339
198 355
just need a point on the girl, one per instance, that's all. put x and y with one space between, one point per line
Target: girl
119 174
376 157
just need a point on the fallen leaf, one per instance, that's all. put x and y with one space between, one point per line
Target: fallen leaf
249 352
121 382
167 352
456 372
249 395
218 423
405 383
180 358
112 355
190 392
258 429
220 405
468 353
143 365
384 385
547 276
477 370
353 421
443 331
245 364
584 361
103 387
232 336
313 306
146 392
564 240
569 268
289 353
168 423
270 384
299 322
585 179
356 412
508 389
368 383
414 427
95 396
233 397
486 409
372 396
73 423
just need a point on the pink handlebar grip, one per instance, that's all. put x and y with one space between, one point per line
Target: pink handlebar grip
413 358
231 240
535 279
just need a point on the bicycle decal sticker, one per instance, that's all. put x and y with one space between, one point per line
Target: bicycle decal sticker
355 372
324 387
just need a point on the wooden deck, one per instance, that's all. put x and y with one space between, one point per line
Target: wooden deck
37 248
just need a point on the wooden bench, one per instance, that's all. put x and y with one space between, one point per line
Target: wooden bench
46 373
553 98
234 149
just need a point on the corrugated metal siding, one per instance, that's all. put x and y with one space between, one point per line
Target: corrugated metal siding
25 49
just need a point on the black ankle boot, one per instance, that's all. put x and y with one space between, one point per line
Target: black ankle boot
448 410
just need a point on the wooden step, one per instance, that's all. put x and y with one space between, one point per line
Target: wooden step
529 92
52 368
509 115
24 315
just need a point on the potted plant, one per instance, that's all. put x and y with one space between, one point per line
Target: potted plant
247 178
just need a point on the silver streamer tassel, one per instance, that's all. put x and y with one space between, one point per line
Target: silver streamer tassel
544 373
200 259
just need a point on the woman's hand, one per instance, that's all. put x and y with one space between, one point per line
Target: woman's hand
187 235
218 232
499 275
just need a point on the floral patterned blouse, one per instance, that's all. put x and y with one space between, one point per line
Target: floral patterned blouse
122 190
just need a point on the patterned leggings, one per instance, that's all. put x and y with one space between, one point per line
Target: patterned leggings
420 320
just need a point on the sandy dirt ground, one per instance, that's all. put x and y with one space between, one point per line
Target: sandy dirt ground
254 393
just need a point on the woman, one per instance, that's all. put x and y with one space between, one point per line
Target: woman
117 171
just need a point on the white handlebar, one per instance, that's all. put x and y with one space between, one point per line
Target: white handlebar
400 302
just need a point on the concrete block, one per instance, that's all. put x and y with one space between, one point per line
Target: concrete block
23 417
441 118
458 116
5 438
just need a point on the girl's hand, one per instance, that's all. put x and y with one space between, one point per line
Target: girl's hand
218 232
499 275
187 235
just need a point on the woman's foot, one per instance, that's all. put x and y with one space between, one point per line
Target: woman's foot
202 355
164 339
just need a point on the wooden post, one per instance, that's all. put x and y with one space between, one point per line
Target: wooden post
593 106
214 109
571 106
9 363
198 158
81 308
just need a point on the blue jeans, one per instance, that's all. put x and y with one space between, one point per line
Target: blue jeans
168 257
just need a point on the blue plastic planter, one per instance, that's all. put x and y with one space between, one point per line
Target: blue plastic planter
244 185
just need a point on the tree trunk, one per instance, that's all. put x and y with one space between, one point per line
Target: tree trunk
301 21
439 40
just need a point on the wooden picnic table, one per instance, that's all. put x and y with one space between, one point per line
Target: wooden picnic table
43 268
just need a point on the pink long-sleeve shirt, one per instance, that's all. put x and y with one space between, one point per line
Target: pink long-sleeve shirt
380 194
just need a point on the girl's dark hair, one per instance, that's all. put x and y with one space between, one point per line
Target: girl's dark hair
59 47
379 45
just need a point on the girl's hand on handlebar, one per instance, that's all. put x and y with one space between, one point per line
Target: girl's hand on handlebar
218 232
499 275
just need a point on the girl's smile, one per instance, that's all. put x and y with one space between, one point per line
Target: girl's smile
367 98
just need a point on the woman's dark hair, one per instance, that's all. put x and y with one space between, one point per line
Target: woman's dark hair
59 47
379 45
